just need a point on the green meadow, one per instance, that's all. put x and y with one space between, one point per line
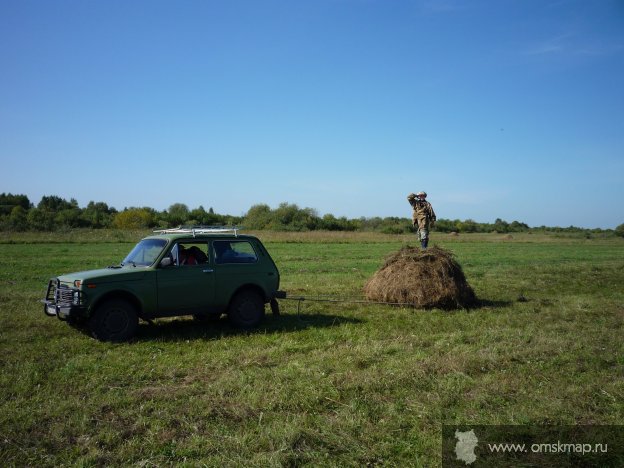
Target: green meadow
324 384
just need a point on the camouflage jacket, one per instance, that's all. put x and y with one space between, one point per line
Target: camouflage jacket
422 210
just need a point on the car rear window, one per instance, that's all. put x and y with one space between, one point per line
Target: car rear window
234 252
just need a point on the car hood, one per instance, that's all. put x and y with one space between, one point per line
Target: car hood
104 275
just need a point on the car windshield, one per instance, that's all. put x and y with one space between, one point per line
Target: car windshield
145 252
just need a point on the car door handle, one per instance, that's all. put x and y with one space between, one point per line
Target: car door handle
208 270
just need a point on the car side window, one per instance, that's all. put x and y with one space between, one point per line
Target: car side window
234 252
189 253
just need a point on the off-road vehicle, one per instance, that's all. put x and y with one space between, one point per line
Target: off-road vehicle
204 272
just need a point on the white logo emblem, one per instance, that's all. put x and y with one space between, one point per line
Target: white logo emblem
464 448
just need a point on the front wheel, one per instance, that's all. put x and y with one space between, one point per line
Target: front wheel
246 309
115 320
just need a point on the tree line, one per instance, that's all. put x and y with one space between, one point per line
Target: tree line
18 213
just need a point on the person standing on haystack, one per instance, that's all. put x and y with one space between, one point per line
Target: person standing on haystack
423 216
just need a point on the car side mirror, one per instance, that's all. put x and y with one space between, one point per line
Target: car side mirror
165 262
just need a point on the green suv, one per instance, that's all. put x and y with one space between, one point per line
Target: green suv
204 272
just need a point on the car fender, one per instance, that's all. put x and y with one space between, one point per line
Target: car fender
124 294
253 287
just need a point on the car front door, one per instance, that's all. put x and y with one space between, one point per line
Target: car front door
187 286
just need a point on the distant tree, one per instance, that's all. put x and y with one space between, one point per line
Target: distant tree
290 217
40 220
18 220
445 225
501 226
517 226
177 214
368 224
196 216
308 219
203 217
54 203
8 201
286 217
97 215
135 218
619 231
395 225
69 218
283 216
52 212
468 225
68 214
18 213
330 223
258 217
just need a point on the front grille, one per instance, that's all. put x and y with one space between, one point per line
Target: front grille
63 295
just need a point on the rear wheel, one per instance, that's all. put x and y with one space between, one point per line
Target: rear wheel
246 309
115 320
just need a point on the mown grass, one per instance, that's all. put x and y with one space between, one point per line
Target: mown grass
337 385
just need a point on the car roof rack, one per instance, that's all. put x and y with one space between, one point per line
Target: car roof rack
201 230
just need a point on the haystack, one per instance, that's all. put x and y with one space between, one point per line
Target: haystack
422 278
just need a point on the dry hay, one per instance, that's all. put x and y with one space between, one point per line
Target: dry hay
453 233
421 278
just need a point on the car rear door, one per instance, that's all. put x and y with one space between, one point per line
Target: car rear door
237 263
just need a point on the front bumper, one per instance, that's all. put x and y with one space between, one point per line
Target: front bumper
62 311
63 302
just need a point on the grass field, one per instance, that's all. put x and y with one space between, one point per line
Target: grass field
336 385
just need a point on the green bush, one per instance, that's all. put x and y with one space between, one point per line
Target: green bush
258 217
18 220
134 218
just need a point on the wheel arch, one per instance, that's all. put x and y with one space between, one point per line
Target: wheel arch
250 287
119 294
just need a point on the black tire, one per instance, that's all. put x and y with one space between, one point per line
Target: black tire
115 321
246 309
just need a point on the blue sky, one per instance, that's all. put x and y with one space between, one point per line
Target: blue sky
498 109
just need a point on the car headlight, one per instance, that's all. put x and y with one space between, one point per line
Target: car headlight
76 300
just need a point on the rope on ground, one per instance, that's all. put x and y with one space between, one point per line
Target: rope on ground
301 299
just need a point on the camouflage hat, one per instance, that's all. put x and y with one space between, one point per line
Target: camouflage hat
422 194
